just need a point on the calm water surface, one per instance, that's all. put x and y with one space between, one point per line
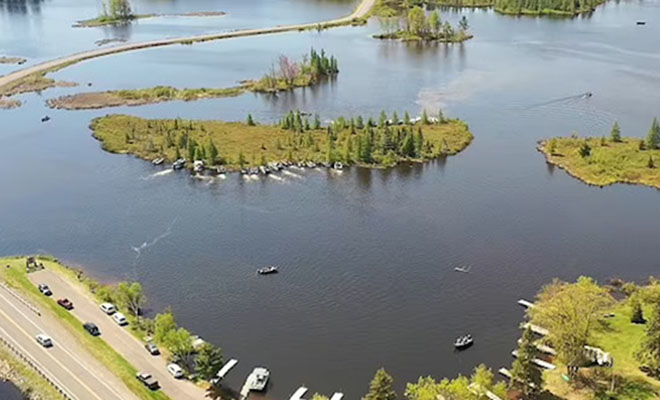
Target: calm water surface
9 392
366 256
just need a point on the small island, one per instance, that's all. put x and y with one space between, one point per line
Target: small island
296 138
285 75
604 161
418 27
390 8
12 60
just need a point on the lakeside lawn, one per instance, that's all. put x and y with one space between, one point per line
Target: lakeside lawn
608 162
240 145
622 339
16 276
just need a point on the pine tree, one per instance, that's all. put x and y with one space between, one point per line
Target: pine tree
406 118
382 119
209 361
524 374
653 137
329 153
241 158
359 122
650 163
212 153
637 316
317 121
584 150
177 153
419 143
395 118
425 117
615 135
191 149
250 121
407 146
649 353
348 149
381 387
441 117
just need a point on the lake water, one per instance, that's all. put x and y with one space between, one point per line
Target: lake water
9 392
366 256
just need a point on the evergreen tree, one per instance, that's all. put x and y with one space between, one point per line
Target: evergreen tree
407 146
425 117
191 149
329 153
348 149
212 153
524 374
371 122
650 163
552 146
241 158
637 316
642 145
307 126
584 150
615 135
406 118
209 361
435 23
359 122
441 116
382 119
419 143
653 137
317 121
463 24
395 118
250 121
381 387
177 153
649 353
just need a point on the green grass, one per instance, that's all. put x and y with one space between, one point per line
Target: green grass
17 277
611 163
406 36
26 378
148 139
621 339
104 20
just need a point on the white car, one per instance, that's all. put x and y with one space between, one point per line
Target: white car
120 319
108 308
175 370
44 340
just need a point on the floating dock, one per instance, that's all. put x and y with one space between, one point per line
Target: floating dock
299 393
526 304
542 348
536 329
226 368
537 361
337 396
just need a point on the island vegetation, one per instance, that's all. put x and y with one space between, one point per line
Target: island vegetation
366 142
35 82
12 60
286 74
603 340
115 12
390 8
603 161
416 26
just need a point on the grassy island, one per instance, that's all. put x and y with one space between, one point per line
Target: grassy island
418 27
35 82
287 75
390 8
115 12
236 145
604 161
12 60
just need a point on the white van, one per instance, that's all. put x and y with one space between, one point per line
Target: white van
175 370
120 319
108 308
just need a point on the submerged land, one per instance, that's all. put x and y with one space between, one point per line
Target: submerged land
602 162
237 145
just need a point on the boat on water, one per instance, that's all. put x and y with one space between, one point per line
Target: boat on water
641 22
254 171
264 170
463 342
45 118
267 270
198 166
463 268
158 161
178 164
338 166
256 381
220 170
300 164
311 164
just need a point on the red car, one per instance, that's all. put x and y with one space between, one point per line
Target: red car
66 303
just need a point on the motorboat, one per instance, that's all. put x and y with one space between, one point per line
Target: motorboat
45 118
158 161
641 22
338 166
178 164
258 379
264 170
267 270
198 166
463 342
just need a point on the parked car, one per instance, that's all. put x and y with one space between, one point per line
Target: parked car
120 319
92 328
175 370
44 289
108 308
152 348
66 303
44 340
147 380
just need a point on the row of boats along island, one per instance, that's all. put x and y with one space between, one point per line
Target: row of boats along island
298 140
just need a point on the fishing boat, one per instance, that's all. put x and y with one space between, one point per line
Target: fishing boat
158 161
463 342
178 164
267 270
45 118
463 268
198 166
641 22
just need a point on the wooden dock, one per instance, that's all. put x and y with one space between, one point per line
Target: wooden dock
299 393
538 362
337 396
536 329
526 304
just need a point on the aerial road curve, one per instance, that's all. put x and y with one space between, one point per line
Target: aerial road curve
362 10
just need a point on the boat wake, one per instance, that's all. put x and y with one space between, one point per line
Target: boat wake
277 178
563 100
146 245
157 174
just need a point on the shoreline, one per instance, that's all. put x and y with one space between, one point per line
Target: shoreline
9 80
98 21
555 160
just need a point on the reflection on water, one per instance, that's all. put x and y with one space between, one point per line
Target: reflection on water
20 6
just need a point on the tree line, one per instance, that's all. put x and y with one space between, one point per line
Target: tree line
416 25
571 7
287 74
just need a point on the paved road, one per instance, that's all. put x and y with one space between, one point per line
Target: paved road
361 11
86 309
67 362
